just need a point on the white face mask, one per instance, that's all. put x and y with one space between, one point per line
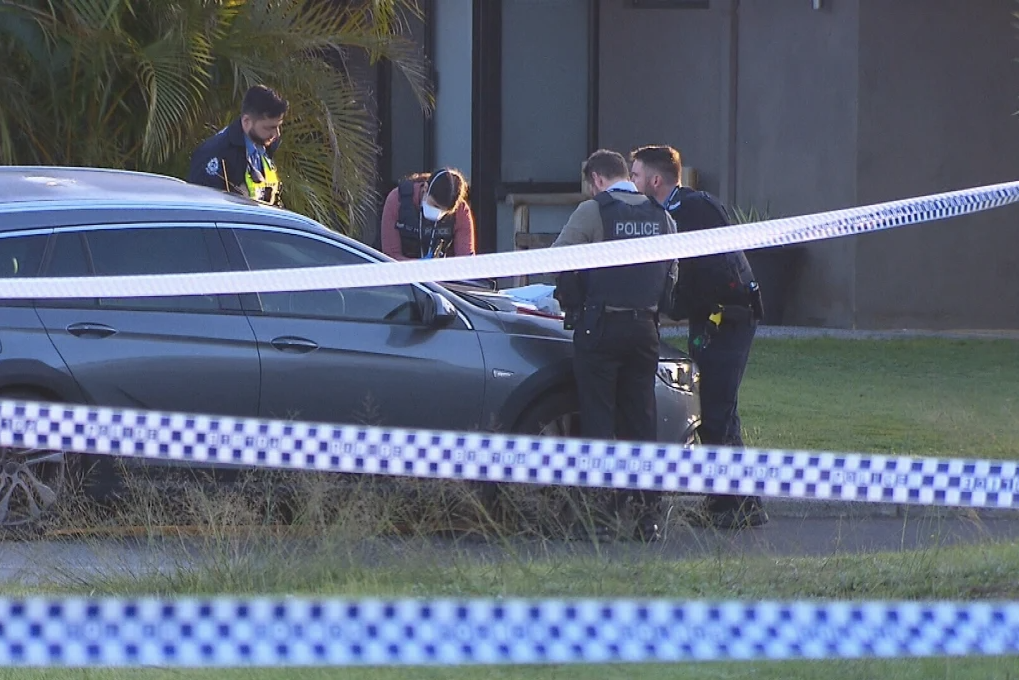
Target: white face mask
430 212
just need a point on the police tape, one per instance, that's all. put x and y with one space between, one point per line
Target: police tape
223 631
785 231
489 457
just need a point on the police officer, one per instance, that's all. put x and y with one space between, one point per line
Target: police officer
720 298
239 158
615 313
427 215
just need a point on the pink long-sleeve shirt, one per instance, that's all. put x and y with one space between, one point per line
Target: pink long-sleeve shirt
463 227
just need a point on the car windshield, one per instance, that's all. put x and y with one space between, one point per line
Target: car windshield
465 290
472 297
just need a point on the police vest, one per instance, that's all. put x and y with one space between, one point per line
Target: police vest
731 274
263 185
419 236
634 286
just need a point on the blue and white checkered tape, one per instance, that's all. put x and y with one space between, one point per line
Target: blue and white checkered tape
434 454
224 631
785 231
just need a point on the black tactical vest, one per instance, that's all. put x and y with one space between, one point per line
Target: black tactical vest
632 286
419 236
729 274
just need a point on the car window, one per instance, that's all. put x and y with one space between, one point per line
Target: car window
66 259
276 250
157 250
21 256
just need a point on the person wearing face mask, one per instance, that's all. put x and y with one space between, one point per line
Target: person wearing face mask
427 215
239 158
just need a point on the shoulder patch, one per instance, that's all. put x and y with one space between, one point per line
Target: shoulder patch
212 167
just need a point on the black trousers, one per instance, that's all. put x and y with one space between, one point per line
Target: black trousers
722 363
615 362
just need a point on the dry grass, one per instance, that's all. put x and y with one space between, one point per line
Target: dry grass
359 535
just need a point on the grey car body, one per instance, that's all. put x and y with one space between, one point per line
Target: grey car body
455 356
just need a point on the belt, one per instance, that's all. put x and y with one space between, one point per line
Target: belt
635 313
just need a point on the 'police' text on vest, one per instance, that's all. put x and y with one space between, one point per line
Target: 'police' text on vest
638 229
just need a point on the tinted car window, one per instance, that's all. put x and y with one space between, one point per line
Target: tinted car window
67 258
163 250
21 255
275 250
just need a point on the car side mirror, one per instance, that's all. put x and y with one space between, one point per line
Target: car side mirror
436 310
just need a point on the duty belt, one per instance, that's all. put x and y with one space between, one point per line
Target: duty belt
636 313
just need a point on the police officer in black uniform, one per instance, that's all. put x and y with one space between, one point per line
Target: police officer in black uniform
615 315
720 298
239 158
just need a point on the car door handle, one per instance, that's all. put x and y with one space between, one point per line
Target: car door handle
91 330
294 345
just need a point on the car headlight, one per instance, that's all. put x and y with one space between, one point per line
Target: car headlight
679 375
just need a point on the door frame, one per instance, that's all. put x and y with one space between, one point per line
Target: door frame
487 187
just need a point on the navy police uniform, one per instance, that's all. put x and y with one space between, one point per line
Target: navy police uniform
614 312
229 161
720 298
616 337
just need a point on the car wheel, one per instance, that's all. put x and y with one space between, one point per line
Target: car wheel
32 481
545 511
554 415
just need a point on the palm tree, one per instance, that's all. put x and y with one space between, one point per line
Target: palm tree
137 84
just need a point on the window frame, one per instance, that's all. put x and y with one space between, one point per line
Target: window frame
251 302
226 303
47 234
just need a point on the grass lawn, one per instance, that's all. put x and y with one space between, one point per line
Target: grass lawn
985 572
922 397
977 573
913 397
953 669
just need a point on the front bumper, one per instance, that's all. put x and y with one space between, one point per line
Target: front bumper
677 397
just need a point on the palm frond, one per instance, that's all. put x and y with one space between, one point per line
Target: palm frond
173 78
138 83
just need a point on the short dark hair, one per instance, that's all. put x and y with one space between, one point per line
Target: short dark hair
606 163
263 102
447 187
664 160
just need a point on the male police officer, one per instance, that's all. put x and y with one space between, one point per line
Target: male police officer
616 312
238 158
719 296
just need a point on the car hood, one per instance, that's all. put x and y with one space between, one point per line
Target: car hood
517 323
526 311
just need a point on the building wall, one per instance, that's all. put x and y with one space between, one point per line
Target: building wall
544 103
663 80
453 94
793 111
786 109
796 141
938 88
759 96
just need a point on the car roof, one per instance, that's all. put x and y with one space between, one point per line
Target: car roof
53 196
29 184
